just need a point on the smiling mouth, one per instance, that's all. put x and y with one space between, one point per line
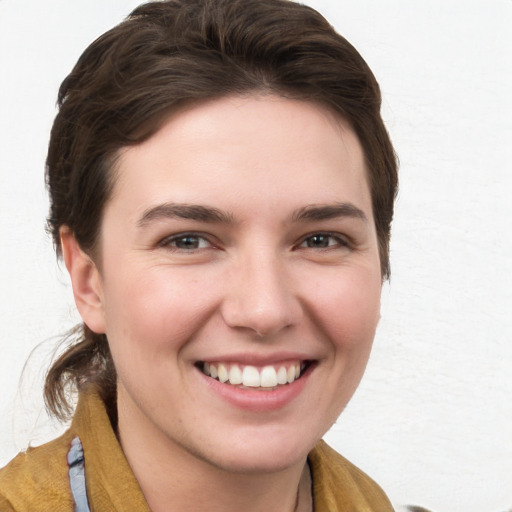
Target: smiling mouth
246 376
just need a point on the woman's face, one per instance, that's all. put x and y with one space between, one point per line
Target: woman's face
239 244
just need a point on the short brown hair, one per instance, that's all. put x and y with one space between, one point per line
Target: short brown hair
171 52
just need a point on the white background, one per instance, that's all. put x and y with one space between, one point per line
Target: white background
432 420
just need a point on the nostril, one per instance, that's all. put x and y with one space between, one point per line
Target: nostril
262 322
258 297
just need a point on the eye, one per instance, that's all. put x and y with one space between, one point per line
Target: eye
323 241
185 242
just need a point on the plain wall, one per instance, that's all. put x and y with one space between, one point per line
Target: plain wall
432 420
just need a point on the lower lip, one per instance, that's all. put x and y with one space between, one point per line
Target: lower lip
258 400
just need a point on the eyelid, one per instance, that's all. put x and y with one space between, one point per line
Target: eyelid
168 240
343 240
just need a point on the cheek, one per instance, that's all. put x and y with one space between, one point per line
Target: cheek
154 310
348 309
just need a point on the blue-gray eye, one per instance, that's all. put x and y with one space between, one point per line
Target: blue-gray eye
322 241
186 242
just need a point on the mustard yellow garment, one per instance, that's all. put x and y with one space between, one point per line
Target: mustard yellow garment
37 480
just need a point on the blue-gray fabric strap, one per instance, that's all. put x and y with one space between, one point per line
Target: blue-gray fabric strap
76 472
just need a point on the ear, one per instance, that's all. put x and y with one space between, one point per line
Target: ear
86 281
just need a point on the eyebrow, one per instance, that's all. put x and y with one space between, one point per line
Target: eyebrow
329 211
209 214
185 211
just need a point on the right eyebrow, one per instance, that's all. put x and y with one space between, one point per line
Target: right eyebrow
184 211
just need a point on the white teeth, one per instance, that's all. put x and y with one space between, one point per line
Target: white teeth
223 373
281 376
268 377
235 375
251 377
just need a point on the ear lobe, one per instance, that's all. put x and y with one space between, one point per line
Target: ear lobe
86 281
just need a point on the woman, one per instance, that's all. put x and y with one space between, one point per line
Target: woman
221 189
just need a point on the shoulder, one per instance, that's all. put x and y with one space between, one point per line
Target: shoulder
339 485
37 480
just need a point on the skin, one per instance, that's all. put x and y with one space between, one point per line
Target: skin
264 282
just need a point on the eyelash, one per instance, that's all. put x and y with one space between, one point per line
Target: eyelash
339 241
199 239
174 239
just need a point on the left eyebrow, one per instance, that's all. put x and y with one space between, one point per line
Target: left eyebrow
330 211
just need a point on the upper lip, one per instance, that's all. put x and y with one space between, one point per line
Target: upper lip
258 359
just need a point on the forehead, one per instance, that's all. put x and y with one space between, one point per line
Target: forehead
265 148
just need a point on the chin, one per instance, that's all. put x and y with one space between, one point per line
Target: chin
265 452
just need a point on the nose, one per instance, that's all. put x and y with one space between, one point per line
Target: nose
260 296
